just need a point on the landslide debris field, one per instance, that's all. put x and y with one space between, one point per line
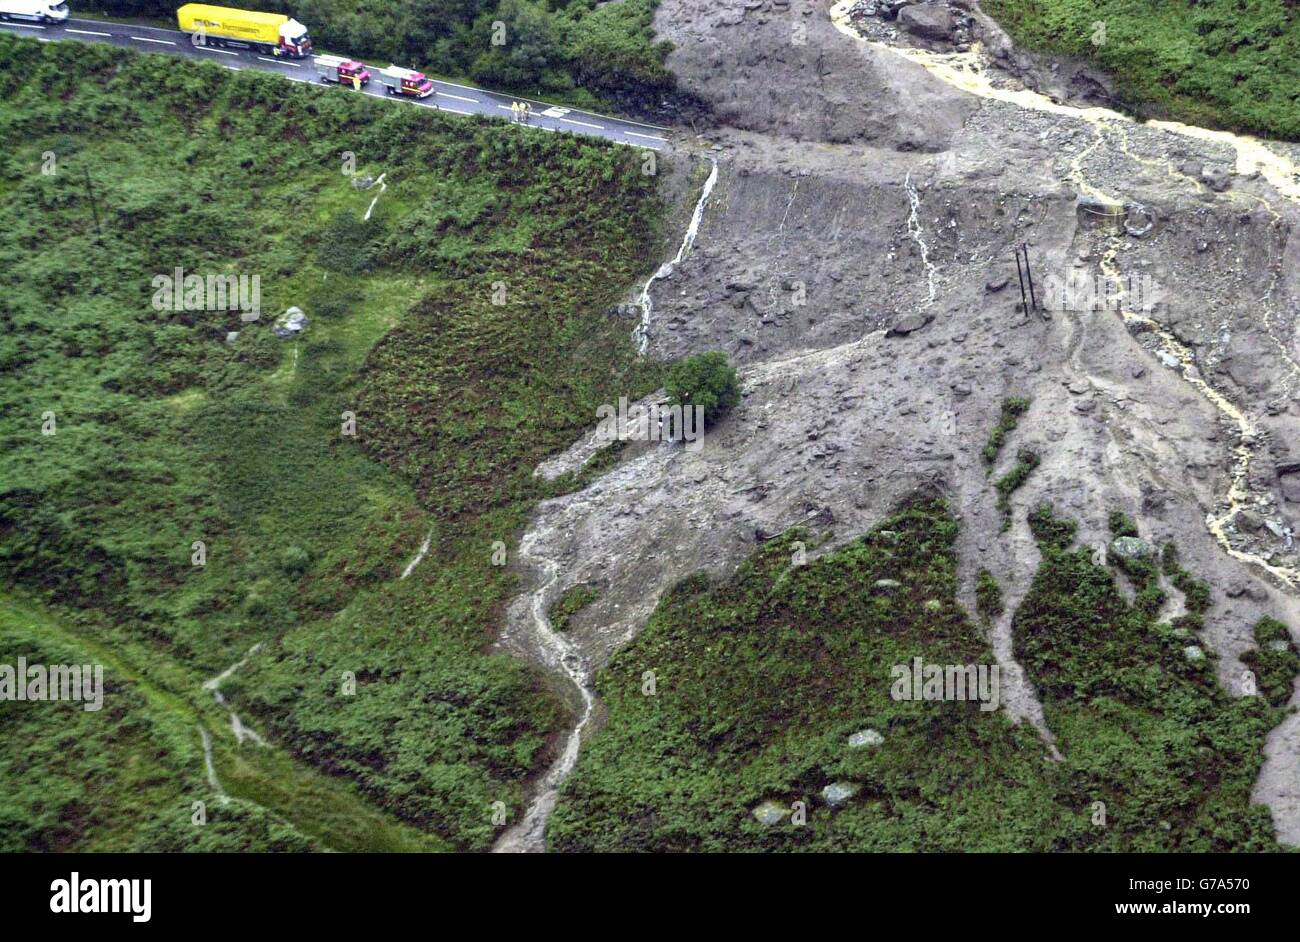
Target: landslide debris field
688 648
855 258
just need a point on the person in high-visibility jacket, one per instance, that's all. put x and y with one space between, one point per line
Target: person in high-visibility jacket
356 81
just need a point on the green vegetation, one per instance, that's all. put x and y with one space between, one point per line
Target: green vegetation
574 599
988 595
1026 461
1140 718
1121 524
582 52
168 434
704 379
1196 592
126 777
1219 64
1275 661
762 678
1012 409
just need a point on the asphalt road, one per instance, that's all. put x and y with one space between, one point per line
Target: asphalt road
457 99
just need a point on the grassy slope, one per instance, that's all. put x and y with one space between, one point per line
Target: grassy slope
167 435
760 680
1216 63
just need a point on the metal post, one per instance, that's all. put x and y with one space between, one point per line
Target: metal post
1024 301
1029 276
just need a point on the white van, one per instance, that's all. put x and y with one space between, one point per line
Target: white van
39 11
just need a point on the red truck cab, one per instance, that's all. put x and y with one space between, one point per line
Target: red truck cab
342 71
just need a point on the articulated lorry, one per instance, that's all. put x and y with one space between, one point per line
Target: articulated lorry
36 11
272 33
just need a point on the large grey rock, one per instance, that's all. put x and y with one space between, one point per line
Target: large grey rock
1217 179
865 737
836 793
909 324
1291 486
291 323
1130 547
769 812
928 20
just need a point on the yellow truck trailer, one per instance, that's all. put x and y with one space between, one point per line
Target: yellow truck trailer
272 33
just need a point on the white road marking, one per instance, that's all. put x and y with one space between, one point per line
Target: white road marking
232 68
476 101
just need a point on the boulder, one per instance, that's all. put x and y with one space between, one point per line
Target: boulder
291 323
1217 179
909 324
837 793
1247 522
928 21
1131 548
1290 482
865 737
769 812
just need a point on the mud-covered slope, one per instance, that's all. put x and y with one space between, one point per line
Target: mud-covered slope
780 69
865 282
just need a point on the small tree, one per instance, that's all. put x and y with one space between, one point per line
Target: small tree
704 379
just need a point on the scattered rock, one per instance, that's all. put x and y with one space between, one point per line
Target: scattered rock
928 20
1247 521
1194 653
997 283
1217 179
232 336
1131 548
837 793
909 324
769 812
865 737
887 585
291 323
1290 482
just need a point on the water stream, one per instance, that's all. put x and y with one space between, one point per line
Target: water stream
640 334
969 72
